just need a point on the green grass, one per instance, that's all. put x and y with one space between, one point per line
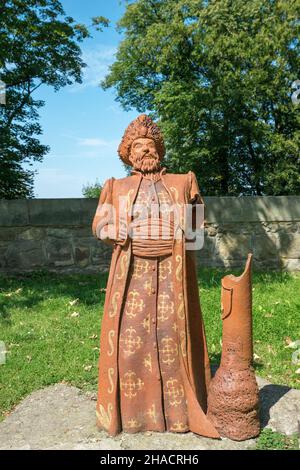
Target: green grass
269 440
46 344
276 322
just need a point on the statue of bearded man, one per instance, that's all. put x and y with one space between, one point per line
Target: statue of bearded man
154 369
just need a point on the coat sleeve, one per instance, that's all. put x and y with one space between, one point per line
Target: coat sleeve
197 221
194 192
103 221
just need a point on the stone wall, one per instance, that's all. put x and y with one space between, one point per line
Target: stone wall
55 234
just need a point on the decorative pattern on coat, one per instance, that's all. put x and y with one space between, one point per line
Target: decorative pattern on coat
169 350
165 268
111 372
148 286
140 268
131 384
158 350
128 200
150 381
104 416
152 413
111 349
146 323
180 311
114 304
179 268
130 342
148 362
144 376
123 265
133 423
179 427
155 356
165 307
134 304
174 392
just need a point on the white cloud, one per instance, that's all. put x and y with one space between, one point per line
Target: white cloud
98 143
94 142
97 60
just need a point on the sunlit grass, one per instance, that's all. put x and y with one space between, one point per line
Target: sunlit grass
276 322
51 323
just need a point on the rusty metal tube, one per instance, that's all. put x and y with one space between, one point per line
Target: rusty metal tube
233 398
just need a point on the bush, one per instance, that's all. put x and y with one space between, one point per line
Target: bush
92 191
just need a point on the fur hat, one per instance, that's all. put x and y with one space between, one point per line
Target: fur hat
142 126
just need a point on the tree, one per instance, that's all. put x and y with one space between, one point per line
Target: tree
218 75
92 190
39 44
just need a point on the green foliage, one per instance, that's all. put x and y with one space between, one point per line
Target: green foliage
270 440
218 75
39 44
50 324
100 22
92 190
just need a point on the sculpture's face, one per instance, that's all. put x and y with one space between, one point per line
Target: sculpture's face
144 156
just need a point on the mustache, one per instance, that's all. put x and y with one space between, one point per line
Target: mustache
153 156
147 162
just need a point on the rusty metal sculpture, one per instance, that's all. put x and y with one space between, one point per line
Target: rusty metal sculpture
233 400
154 371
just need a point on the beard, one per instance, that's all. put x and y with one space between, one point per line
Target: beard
148 163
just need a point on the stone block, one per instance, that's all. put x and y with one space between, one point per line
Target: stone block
233 246
82 232
8 234
289 245
54 212
59 252
209 247
60 232
82 255
32 233
265 246
211 230
88 210
252 209
13 212
290 264
25 254
101 255
3 250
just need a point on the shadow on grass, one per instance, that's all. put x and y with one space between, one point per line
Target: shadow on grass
40 285
5 315
211 277
269 395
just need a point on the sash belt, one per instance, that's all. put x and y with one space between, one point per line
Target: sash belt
162 233
152 248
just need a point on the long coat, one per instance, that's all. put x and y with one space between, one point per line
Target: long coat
194 361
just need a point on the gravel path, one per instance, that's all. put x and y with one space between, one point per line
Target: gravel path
63 417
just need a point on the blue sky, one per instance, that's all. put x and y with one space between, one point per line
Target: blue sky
83 124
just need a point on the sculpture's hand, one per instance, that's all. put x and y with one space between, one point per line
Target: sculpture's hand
106 233
123 235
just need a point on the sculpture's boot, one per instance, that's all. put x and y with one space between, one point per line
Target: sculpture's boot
233 400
